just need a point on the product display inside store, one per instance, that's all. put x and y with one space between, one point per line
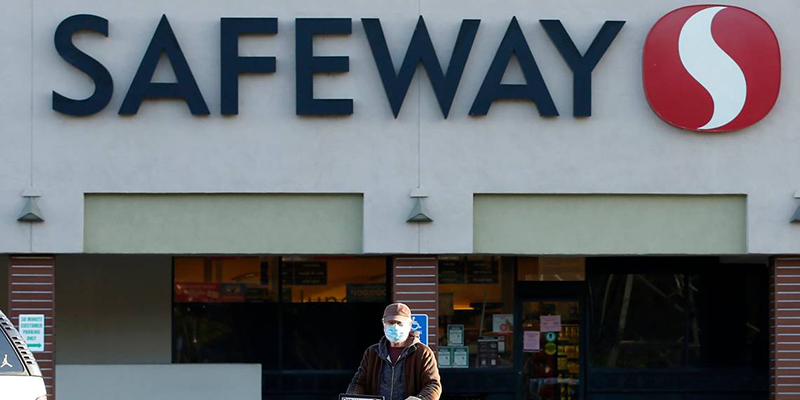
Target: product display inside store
476 313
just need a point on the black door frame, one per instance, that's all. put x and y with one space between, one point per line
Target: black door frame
526 291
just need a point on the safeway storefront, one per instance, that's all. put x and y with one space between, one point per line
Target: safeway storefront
587 200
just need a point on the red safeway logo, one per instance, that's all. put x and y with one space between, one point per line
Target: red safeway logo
711 68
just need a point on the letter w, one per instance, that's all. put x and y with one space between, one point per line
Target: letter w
420 50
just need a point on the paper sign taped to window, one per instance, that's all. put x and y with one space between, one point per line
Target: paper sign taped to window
445 360
530 341
455 335
550 323
460 357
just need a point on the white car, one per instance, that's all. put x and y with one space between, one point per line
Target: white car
20 377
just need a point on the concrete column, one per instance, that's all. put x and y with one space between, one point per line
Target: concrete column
31 290
416 283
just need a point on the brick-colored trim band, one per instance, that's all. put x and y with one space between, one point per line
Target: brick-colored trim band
416 283
785 329
31 290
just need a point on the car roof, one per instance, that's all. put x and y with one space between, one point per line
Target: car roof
10 333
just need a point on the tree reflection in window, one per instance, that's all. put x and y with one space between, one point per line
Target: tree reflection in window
713 316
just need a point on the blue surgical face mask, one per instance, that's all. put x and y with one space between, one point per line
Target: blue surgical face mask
397 333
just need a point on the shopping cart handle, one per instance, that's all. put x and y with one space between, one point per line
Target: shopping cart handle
343 396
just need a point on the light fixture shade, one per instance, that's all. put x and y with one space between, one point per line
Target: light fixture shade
419 213
30 212
796 216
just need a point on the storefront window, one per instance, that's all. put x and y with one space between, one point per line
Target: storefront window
214 299
271 310
351 280
711 316
225 280
729 327
476 312
332 310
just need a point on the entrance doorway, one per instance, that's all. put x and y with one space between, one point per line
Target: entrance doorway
551 334
551 368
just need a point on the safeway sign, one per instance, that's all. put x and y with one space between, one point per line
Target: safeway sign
31 327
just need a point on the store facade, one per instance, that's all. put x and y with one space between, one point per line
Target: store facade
210 199
504 327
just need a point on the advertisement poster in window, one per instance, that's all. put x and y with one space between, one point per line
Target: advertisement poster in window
503 324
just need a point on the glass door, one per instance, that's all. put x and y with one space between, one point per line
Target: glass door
551 349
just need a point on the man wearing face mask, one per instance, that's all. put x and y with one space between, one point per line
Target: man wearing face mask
399 366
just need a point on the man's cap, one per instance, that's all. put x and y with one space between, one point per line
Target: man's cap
397 311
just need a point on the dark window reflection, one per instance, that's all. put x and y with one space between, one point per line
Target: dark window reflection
712 316
226 333
639 321
339 331
730 328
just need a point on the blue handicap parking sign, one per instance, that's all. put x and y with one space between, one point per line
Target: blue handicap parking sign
419 323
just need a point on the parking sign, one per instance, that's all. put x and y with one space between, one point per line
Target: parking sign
419 323
31 327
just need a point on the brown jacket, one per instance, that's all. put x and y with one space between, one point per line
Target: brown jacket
420 372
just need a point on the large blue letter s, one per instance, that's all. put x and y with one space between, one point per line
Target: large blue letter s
103 84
